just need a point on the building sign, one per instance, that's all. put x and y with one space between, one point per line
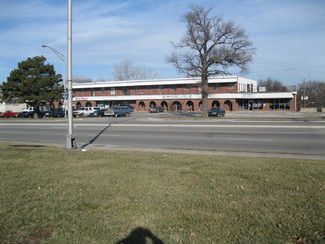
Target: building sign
81 99
262 89
177 97
247 95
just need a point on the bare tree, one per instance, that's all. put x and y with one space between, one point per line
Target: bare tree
314 91
210 47
80 79
272 85
126 71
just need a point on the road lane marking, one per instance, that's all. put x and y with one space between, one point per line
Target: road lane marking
171 125
250 139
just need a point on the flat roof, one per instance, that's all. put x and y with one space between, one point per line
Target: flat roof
157 82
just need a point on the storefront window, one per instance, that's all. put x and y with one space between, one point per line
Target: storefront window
279 104
251 104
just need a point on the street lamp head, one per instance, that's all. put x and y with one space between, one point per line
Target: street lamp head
60 55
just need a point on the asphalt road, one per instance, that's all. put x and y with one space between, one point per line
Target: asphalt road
161 132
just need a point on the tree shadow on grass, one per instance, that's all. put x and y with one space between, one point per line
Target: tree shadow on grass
140 236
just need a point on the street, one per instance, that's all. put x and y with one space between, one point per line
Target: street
144 131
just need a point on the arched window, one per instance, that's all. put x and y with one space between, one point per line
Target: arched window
228 105
88 104
142 106
215 104
177 106
164 104
152 103
190 106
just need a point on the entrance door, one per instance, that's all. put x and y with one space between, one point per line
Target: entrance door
250 105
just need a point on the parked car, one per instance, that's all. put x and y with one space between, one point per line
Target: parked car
7 114
43 111
216 111
27 109
118 111
57 112
156 109
25 114
44 114
84 111
98 113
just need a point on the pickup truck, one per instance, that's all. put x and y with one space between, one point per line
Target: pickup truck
84 111
7 114
27 109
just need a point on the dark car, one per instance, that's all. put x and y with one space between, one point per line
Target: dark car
56 113
118 111
98 113
216 111
44 114
25 114
156 109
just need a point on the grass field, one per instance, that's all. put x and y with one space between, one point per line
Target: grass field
51 195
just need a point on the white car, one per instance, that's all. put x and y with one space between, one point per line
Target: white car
84 111
28 109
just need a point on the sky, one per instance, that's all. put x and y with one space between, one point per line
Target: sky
289 35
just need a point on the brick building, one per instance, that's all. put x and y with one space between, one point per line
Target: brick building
232 93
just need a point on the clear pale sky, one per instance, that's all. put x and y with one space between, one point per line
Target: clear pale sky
289 35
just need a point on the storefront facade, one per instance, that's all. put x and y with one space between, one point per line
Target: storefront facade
231 93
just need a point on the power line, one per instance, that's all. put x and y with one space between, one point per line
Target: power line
290 69
287 69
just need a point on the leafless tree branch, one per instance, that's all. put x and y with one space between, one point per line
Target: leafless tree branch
210 47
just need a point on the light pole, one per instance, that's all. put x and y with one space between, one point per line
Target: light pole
61 56
70 142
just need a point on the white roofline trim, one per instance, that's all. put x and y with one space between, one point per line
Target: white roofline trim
188 96
157 82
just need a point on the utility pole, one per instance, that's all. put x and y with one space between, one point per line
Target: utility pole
70 142
304 95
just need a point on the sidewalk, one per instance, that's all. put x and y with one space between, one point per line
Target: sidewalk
246 114
279 114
